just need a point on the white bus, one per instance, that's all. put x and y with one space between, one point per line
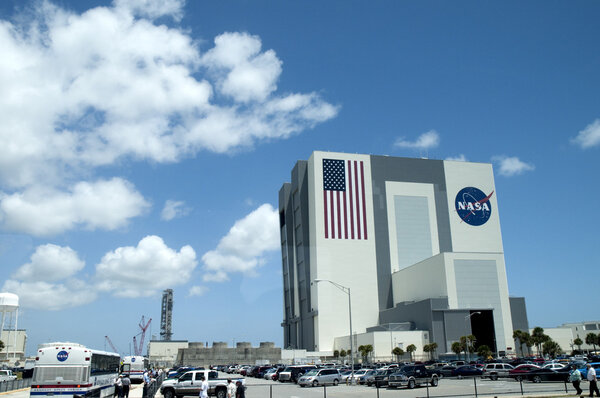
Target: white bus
134 367
68 369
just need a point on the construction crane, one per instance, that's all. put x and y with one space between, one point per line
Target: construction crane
137 349
110 343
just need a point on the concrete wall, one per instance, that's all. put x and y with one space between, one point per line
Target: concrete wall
198 355
384 342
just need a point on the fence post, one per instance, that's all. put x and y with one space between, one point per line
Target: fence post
377 385
475 383
566 391
427 384
270 390
521 383
324 391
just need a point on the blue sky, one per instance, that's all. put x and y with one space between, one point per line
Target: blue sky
143 144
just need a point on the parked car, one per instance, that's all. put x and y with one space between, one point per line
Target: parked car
6 375
316 377
363 379
595 365
519 372
293 373
357 375
495 370
548 374
467 370
412 376
446 371
381 377
269 374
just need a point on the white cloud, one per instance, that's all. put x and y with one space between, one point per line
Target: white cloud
173 209
459 158
50 263
50 296
152 8
144 270
197 291
244 246
510 166
83 90
430 139
104 204
588 137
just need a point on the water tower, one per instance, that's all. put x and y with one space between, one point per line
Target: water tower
9 304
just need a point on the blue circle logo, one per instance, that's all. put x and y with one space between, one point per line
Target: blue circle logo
62 356
132 359
473 206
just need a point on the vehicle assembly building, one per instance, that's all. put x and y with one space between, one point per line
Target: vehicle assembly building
411 249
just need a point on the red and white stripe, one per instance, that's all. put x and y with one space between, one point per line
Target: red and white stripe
345 211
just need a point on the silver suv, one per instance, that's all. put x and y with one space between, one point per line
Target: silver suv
320 377
495 370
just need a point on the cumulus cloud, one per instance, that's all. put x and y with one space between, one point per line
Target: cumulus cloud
144 270
459 158
104 204
511 166
173 209
197 291
430 139
244 246
588 137
83 90
51 296
50 263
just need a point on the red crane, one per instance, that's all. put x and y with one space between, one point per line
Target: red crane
137 349
111 344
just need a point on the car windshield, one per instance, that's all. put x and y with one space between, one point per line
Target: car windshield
288 369
312 372
380 372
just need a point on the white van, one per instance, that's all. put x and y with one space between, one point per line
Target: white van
6 375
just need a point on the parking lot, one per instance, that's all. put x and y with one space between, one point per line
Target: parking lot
258 388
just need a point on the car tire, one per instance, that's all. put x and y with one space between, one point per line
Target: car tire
221 393
336 382
315 383
168 393
411 384
434 381
494 377
537 379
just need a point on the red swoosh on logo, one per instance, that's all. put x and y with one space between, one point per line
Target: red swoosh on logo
479 201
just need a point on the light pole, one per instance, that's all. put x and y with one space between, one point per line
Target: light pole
347 291
467 331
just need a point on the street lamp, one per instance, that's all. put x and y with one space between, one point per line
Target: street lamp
466 331
347 291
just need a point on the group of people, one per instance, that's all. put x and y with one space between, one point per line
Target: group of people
122 386
575 378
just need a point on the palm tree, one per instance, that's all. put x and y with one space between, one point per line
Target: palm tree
427 349
538 337
410 349
368 349
365 350
527 340
463 345
484 351
433 347
551 347
398 352
343 354
456 348
1 345
336 353
578 342
591 339
517 337
471 339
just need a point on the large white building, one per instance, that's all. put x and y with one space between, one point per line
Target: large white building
417 242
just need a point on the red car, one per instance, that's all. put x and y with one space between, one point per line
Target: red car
519 372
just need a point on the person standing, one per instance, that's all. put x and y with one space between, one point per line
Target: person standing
203 387
146 384
231 389
239 390
575 378
119 387
126 385
591 377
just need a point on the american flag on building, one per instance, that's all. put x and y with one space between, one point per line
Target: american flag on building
344 199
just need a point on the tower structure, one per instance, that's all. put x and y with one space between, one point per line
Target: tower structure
166 315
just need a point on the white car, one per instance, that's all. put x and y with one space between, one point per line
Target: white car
6 375
553 366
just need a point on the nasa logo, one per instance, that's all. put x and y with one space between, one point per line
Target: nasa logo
132 359
473 206
62 356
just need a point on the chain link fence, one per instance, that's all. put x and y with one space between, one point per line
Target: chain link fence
17 384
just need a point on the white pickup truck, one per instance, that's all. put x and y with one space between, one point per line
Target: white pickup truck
6 375
188 384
